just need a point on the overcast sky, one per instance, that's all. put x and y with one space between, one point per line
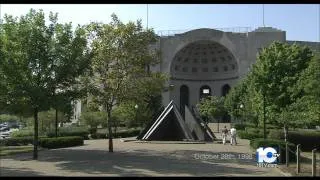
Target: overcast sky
301 22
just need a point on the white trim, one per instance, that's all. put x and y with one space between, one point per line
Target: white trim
148 132
157 123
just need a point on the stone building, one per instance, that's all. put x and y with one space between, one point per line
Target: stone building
204 62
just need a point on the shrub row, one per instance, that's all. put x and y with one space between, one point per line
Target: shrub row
118 134
240 126
309 139
70 131
45 142
24 133
127 133
18 141
61 142
98 135
249 135
260 142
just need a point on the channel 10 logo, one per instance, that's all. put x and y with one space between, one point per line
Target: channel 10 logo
267 155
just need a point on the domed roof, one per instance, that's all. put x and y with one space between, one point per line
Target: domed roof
204 60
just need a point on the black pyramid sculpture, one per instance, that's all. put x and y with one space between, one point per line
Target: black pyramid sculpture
171 126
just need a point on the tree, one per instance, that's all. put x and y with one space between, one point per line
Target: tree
276 72
307 107
121 57
47 119
275 90
31 65
212 107
93 119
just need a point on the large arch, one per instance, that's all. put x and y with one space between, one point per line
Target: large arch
204 60
226 118
225 89
201 62
204 92
184 98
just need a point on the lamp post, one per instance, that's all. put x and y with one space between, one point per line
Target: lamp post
241 107
136 118
264 115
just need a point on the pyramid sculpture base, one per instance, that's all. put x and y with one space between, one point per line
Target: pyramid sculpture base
171 126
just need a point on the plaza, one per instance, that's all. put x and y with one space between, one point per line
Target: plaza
134 158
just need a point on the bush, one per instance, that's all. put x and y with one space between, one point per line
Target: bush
18 141
98 135
309 139
249 134
126 133
260 142
61 142
240 126
276 134
269 126
25 132
22 133
70 131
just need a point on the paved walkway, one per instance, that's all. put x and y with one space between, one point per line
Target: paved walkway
139 159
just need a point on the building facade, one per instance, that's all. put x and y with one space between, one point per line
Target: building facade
205 62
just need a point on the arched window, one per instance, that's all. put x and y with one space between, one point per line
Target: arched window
205 91
184 98
225 89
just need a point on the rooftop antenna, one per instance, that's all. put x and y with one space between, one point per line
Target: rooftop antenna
0 15
263 15
147 15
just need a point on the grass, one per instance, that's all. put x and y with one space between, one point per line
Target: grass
9 150
305 165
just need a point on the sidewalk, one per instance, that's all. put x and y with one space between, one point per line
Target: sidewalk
138 159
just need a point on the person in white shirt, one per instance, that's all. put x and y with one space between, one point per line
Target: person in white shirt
224 135
233 133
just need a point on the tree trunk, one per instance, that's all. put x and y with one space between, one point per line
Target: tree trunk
42 125
110 130
35 141
285 129
56 125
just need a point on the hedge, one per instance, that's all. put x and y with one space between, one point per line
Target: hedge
249 135
98 135
309 139
260 142
119 134
24 133
239 126
61 142
45 142
70 131
18 141
126 133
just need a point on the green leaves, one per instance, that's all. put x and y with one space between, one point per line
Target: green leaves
284 73
120 56
40 64
212 106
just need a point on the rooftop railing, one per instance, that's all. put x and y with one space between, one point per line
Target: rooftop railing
230 29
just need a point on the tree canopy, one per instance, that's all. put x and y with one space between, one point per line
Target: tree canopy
37 60
120 65
285 75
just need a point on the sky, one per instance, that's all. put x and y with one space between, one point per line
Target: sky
300 21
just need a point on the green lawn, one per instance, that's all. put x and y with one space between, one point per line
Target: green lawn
9 150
